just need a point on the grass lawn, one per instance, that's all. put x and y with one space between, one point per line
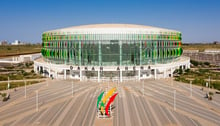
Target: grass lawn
199 75
4 86
200 47
18 71
10 50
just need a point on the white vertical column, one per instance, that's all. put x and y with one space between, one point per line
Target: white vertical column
164 73
140 51
49 68
100 54
56 74
64 74
71 71
171 73
139 74
98 76
120 75
35 68
80 54
80 74
49 72
43 70
155 73
120 46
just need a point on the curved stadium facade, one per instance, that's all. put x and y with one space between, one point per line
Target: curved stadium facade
111 47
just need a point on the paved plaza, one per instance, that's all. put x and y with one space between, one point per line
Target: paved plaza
148 103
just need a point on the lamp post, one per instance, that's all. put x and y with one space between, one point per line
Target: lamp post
209 83
174 99
143 87
72 88
25 90
190 88
37 100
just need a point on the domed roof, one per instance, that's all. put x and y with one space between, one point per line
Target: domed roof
109 26
111 29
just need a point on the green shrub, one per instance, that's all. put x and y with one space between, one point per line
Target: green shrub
41 71
216 85
187 70
10 67
4 94
8 48
198 81
203 70
27 64
211 93
176 71
195 63
177 78
4 99
16 77
20 64
3 77
200 63
180 71
207 63
22 71
25 73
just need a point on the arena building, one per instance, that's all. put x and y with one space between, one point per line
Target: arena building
111 51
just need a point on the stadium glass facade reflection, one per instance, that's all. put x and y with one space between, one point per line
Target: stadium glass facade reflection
111 49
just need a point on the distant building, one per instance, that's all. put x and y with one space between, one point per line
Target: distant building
209 55
212 51
17 42
4 42
216 42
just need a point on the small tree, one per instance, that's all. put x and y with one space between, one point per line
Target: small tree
187 70
180 71
32 71
41 71
195 63
207 63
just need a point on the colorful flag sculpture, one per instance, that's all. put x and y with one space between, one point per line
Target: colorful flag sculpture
108 98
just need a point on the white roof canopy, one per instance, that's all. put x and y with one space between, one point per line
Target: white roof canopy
112 29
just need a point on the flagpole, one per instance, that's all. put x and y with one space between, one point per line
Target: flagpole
8 83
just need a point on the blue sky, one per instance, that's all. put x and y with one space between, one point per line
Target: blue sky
25 20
